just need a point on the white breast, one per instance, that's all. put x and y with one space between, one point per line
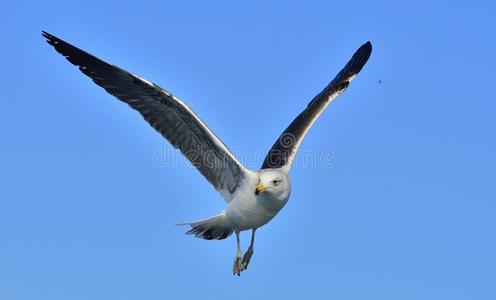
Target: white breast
248 211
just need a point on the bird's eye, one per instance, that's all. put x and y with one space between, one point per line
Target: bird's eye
275 182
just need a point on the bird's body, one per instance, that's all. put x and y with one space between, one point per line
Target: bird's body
249 208
253 197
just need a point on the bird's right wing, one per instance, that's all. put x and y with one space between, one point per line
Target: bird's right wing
171 117
284 150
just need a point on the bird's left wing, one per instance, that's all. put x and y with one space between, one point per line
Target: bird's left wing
284 150
171 117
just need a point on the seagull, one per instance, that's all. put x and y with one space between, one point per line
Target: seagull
253 197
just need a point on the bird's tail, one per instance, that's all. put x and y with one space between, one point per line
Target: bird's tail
214 228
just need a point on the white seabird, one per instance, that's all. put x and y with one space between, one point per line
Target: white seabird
253 197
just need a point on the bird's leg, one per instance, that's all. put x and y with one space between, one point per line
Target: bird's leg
237 260
249 252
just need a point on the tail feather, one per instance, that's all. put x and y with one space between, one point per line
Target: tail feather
215 228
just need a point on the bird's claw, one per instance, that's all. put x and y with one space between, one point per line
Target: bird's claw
246 259
237 265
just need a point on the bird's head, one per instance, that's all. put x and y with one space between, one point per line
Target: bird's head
274 182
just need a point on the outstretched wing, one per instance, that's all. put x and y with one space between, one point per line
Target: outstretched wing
168 115
284 150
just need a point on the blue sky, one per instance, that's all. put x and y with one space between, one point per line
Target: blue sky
405 210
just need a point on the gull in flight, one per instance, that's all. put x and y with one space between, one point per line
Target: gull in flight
253 197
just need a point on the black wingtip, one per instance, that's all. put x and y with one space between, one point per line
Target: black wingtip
46 34
365 50
359 59
366 47
50 39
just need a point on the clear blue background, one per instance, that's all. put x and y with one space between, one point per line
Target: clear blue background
407 210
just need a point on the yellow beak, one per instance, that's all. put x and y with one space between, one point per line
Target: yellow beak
260 188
